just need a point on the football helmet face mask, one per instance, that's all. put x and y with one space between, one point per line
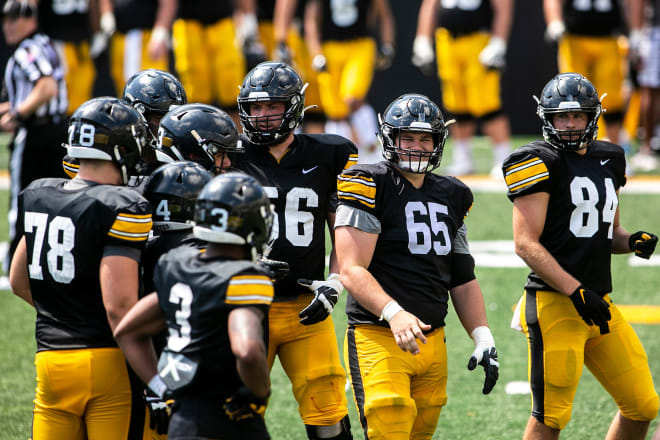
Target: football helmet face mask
271 82
412 113
172 191
565 93
233 208
107 128
151 92
197 132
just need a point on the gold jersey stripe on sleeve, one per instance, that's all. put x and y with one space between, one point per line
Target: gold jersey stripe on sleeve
249 289
362 189
70 169
131 227
525 173
352 160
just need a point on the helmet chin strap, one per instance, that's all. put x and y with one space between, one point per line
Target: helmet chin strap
122 166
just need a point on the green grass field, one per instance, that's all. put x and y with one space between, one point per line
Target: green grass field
468 414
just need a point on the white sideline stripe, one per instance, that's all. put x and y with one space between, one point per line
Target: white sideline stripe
635 184
517 387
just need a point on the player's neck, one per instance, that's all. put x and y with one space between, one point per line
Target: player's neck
278 150
103 172
231 251
416 179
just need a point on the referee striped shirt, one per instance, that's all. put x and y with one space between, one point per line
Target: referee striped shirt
34 58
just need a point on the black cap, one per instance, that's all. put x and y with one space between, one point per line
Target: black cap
18 8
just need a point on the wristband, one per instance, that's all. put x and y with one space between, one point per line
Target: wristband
333 281
390 309
157 385
160 35
482 335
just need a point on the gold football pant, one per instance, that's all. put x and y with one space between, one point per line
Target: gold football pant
128 55
79 72
209 64
560 343
81 394
310 358
399 396
468 88
350 68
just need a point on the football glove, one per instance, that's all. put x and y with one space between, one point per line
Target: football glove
159 412
593 309
493 56
319 63
643 244
385 57
283 53
278 269
326 294
423 55
554 31
485 354
243 404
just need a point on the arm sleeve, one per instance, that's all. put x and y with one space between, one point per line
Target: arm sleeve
462 269
122 251
357 218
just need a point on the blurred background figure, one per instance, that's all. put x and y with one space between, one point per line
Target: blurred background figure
208 49
645 54
345 55
471 43
588 37
35 110
142 39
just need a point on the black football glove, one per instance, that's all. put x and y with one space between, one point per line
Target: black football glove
485 354
278 269
283 53
385 57
643 244
593 309
326 294
243 404
159 412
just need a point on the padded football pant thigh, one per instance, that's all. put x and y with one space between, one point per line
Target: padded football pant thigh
81 391
79 72
620 364
310 357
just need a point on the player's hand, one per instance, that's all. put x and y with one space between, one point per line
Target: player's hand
244 404
254 52
278 269
423 55
634 47
407 329
158 44
283 53
593 309
493 56
385 56
643 244
326 294
159 412
319 63
485 354
555 31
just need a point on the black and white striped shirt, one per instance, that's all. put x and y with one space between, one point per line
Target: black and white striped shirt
34 58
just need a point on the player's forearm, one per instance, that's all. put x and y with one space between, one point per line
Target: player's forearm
44 90
502 18
620 238
140 354
468 301
18 274
166 14
282 17
387 28
362 286
311 25
427 18
546 266
253 371
552 10
246 339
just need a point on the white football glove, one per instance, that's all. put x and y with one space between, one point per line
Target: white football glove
493 56
423 55
326 295
554 31
485 354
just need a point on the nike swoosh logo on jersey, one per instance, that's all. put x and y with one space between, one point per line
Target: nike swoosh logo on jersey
309 170
603 162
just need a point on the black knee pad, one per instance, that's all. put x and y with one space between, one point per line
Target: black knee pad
342 431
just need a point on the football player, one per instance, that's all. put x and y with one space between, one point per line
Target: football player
200 133
214 303
470 47
588 35
396 220
566 226
77 264
299 173
345 56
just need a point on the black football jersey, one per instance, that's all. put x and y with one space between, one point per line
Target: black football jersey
205 11
196 296
344 20
66 230
135 14
266 10
413 255
302 186
593 18
583 202
465 17
65 20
